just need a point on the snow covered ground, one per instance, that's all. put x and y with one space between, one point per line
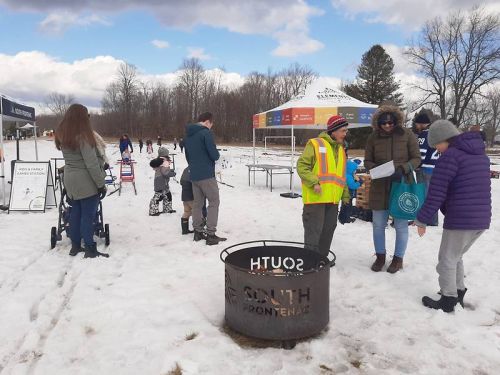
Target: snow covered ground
133 313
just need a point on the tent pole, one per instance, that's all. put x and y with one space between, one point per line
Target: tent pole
36 145
2 154
293 160
253 145
254 159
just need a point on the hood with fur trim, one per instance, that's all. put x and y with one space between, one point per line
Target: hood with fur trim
383 109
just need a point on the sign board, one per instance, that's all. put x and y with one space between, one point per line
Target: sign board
32 186
17 111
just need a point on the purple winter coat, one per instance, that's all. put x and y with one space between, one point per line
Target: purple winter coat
460 186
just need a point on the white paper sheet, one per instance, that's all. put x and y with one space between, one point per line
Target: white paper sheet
384 170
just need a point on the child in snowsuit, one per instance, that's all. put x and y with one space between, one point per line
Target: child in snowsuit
162 190
353 183
187 197
461 188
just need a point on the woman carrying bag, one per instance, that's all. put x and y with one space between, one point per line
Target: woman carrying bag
83 176
389 141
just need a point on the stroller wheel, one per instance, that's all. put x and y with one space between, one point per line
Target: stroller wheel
53 237
106 234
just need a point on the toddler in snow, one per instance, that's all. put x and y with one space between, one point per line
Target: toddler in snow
187 197
461 188
162 190
126 156
353 183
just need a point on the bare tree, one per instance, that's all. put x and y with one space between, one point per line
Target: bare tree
59 103
191 81
127 85
295 79
458 57
492 127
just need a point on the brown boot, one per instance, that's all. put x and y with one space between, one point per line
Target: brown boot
379 263
396 265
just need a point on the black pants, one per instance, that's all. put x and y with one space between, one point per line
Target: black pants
320 221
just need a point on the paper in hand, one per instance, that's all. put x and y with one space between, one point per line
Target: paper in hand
384 170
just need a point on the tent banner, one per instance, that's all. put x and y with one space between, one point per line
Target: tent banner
18 111
313 117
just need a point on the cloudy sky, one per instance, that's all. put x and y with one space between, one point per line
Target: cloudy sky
75 47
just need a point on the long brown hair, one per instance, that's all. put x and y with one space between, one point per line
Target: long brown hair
74 128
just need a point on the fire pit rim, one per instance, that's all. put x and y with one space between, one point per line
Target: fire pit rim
225 253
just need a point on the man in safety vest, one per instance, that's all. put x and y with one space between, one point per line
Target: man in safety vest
322 169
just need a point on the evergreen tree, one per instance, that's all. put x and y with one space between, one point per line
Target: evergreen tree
375 82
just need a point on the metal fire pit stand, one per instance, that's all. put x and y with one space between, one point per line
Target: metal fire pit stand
286 299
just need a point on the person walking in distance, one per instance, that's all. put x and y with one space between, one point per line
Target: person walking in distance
201 155
322 169
141 144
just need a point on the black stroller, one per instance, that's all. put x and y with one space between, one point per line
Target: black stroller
101 230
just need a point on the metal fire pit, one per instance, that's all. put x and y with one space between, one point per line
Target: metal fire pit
277 290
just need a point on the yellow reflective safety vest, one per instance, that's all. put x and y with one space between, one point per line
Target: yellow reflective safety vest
331 174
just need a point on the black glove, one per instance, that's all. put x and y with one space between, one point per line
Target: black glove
102 192
398 172
105 166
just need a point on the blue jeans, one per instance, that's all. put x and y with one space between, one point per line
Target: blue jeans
380 218
81 220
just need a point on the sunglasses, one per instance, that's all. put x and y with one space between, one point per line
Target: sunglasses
388 123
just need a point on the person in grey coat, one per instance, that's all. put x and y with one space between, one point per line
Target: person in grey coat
83 177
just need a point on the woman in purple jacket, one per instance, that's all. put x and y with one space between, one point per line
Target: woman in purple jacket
461 188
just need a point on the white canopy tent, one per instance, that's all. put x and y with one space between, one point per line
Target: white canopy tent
311 110
12 111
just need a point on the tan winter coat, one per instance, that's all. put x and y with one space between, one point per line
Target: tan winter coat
400 146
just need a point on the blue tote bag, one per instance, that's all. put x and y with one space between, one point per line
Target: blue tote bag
406 199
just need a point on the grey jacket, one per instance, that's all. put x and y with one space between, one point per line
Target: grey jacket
162 178
83 171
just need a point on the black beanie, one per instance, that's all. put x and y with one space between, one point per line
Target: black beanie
422 119
155 163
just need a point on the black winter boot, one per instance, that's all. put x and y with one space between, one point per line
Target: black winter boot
91 252
198 236
75 249
445 303
379 263
185 226
461 294
213 239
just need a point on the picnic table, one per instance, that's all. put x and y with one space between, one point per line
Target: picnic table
270 169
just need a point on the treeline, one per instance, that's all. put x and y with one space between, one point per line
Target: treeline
146 110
